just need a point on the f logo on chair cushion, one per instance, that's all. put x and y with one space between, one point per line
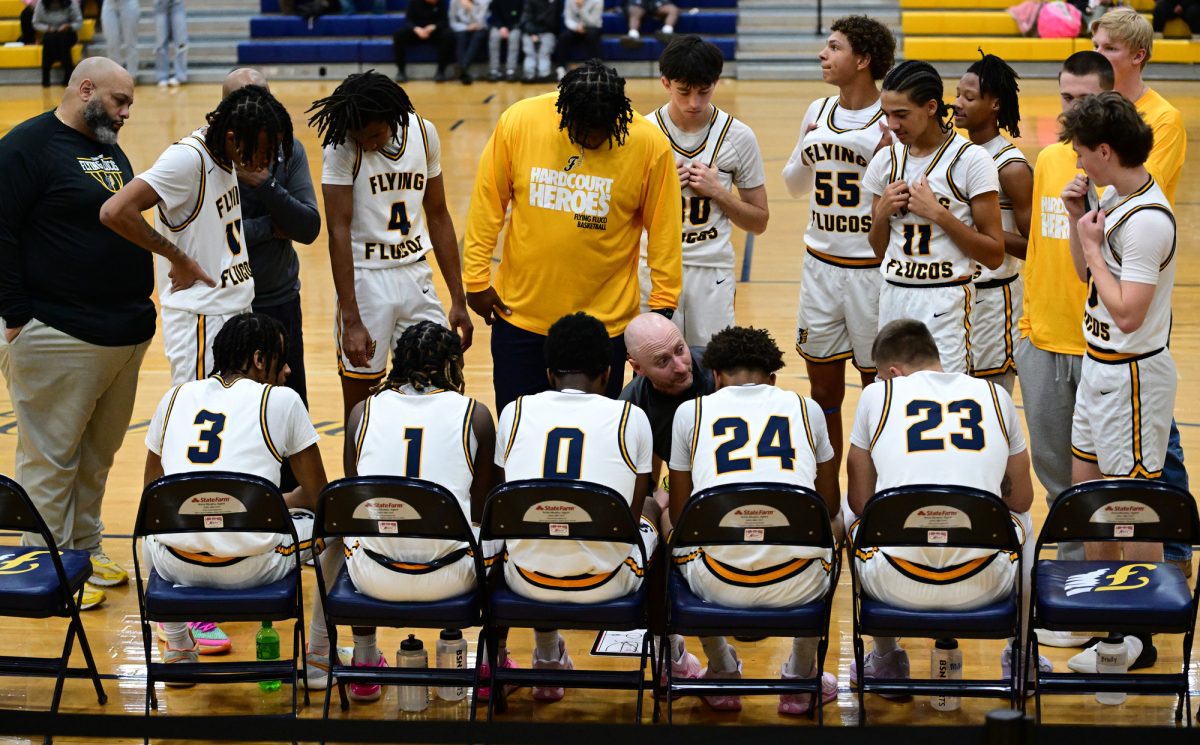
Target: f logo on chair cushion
20 563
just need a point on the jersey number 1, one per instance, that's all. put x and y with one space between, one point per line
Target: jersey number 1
233 236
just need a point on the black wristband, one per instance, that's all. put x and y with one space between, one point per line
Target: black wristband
667 313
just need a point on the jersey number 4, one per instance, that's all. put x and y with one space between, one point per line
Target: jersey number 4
970 415
208 449
774 442
399 219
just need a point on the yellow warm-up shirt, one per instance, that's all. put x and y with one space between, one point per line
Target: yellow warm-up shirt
1170 141
577 219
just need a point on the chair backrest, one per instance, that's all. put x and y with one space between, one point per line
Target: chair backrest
754 513
936 516
558 510
18 513
1122 510
212 501
391 506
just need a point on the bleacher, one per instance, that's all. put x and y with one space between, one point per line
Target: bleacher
30 55
366 39
955 30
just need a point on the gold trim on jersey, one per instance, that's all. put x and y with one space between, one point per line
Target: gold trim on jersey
403 144
201 340
199 200
358 153
262 422
342 369
999 411
712 162
289 550
621 438
576 583
839 357
932 164
887 407
945 575
167 418
424 135
1109 357
871 263
812 443
1137 193
202 559
1009 363
835 128
1141 207
413 567
224 383
696 431
362 429
757 577
1084 455
950 176
968 301
512 436
662 124
466 438
214 158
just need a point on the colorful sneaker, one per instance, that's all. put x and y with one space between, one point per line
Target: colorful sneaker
367 692
685 668
892 665
800 703
317 666
485 673
92 597
550 695
209 637
106 572
724 702
177 656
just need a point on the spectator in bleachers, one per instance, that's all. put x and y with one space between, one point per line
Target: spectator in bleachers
170 43
425 22
506 15
582 20
350 7
120 21
639 9
1167 10
539 21
468 21
58 21
28 36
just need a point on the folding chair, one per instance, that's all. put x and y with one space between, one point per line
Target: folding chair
932 516
1118 595
785 515
394 507
217 502
585 512
43 582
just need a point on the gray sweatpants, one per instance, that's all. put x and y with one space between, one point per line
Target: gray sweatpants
513 50
73 402
120 18
538 54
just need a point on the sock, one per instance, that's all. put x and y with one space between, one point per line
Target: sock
318 636
885 644
803 662
546 644
178 636
720 655
365 649
677 648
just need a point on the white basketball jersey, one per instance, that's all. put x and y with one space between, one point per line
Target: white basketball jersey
838 151
201 212
424 436
573 436
1003 153
1124 221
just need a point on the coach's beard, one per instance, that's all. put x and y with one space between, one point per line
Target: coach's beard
100 122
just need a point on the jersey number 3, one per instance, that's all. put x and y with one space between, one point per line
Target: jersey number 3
209 448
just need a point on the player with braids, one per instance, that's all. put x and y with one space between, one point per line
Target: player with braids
455 447
251 338
592 106
385 208
985 104
935 214
260 125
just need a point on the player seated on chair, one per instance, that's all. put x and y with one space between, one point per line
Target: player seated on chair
574 433
920 425
454 450
785 441
238 419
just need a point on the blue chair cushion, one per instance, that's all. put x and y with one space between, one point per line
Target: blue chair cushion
510 609
996 619
28 583
171 601
1107 594
345 601
692 613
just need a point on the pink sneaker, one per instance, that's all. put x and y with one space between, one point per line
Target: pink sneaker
210 639
723 702
485 673
800 703
367 692
686 668
550 695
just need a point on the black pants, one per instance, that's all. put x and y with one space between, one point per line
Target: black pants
568 40
519 364
289 315
1164 10
56 47
28 35
441 39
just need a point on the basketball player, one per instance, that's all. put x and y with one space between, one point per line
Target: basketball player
416 424
194 184
920 425
239 419
935 214
839 289
385 206
574 432
714 152
986 102
775 436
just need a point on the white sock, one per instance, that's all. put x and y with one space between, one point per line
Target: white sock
668 29
547 644
803 662
885 644
318 636
720 655
677 648
178 636
365 649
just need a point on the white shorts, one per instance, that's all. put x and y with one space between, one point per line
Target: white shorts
1123 414
234 573
188 341
839 312
389 301
705 303
793 583
946 311
994 326
595 588
406 582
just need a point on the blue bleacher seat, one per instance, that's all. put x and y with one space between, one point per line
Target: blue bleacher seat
698 23
393 6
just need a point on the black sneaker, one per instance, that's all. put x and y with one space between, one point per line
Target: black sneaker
441 76
402 77
494 76
466 78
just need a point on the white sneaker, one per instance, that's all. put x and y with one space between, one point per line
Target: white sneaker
668 29
162 84
173 82
634 34
1064 638
1085 661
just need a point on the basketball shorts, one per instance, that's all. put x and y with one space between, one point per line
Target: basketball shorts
231 572
789 584
650 6
705 302
389 301
945 310
383 578
1123 412
188 341
839 312
998 307
588 588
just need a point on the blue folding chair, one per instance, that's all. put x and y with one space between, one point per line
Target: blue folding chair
1118 595
43 582
394 507
217 502
968 518
597 513
786 515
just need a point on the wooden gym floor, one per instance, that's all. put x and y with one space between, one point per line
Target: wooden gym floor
464 117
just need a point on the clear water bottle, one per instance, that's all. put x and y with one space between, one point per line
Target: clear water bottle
1112 658
945 662
412 655
266 649
451 655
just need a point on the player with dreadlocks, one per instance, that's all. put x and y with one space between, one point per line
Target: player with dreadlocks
986 104
935 213
194 185
584 175
453 446
385 209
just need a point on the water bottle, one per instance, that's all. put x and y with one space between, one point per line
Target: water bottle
1112 657
451 655
412 655
266 649
945 661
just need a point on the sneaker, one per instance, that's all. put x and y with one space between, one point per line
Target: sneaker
634 34
724 702
173 82
550 695
510 76
367 692
106 572
685 668
668 29
800 703
317 665
494 76
1064 638
1044 666
209 637
632 40
1139 656
893 665
485 673
441 76
92 597
162 84
560 72
177 656
401 77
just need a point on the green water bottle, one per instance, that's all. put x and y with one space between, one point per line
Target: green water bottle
266 648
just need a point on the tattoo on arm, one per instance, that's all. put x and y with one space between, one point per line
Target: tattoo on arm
159 244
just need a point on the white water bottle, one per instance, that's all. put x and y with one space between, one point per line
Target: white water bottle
412 655
945 661
451 654
1112 657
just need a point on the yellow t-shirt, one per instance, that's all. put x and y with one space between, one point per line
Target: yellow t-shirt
577 219
1170 141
